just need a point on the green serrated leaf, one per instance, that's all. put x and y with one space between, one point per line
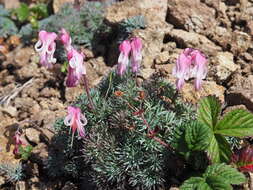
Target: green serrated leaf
217 183
228 174
224 148
194 183
198 136
208 111
40 10
219 149
237 123
22 12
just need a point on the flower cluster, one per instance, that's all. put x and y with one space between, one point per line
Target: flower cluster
18 142
76 120
134 46
191 63
46 47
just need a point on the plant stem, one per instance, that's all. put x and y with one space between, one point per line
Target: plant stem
154 137
77 5
86 86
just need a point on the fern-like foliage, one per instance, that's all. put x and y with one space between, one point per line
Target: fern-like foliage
128 25
13 173
82 25
119 147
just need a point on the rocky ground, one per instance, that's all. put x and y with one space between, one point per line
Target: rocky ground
32 97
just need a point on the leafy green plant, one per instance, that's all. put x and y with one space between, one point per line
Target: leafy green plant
128 134
24 13
126 27
25 152
216 177
12 172
236 123
82 25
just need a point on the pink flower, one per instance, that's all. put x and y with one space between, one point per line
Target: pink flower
76 120
191 63
136 56
123 59
182 69
65 39
46 48
76 68
18 142
199 71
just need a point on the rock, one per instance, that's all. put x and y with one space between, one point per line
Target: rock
162 58
11 4
69 186
153 10
12 111
152 37
57 4
20 185
72 93
174 188
241 42
2 180
46 135
40 154
32 135
224 66
189 94
240 91
191 15
50 92
193 40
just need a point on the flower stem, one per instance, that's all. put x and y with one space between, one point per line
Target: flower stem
86 86
77 5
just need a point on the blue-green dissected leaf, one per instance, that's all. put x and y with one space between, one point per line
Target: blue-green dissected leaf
208 111
228 174
219 149
4 12
7 27
22 12
198 136
237 123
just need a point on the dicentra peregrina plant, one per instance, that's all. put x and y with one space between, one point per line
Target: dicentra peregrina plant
76 120
136 56
191 63
123 60
46 48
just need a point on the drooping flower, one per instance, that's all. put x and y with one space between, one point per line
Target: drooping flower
18 142
136 56
76 68
199 71
65 39
243 159
183 68
191 63
123 59
46 48
76 120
